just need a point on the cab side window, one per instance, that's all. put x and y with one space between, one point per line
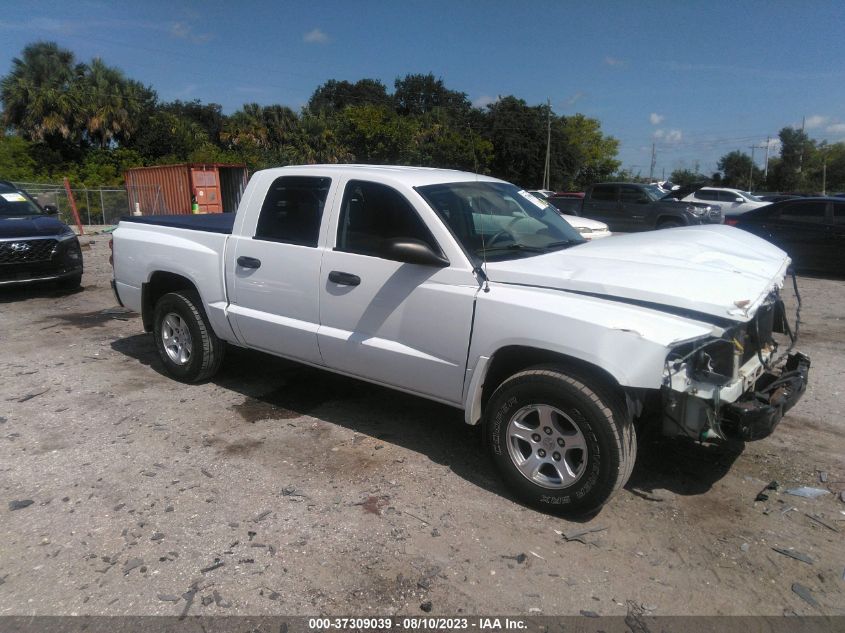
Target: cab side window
604 193
812 211
372 213
292 210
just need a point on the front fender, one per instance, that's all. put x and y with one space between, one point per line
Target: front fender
628 342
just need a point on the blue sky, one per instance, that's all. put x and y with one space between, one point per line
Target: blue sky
698 79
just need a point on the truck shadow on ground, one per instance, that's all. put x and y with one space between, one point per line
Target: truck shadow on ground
13 294
276 389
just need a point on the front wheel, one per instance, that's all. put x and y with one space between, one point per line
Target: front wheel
561 446
669 224
186 344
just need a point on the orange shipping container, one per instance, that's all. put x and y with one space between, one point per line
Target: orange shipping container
172 189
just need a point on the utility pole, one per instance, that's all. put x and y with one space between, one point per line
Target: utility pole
766 172
653 163
801 159
751 171
824 176
547 171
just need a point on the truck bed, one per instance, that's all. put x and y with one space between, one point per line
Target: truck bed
210 222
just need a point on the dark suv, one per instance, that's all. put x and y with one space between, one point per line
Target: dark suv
34 244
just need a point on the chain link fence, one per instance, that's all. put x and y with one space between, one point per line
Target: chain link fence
96 206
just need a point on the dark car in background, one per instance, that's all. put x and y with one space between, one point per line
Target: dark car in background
35 245
810 230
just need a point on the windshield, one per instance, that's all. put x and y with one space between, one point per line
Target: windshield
654 192
14 203
496 220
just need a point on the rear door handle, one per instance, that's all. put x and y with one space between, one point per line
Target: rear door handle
249 262
344 279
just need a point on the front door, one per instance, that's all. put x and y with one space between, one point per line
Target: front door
275 273
603 205
404 325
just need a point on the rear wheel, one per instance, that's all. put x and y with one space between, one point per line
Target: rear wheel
186 344
561 446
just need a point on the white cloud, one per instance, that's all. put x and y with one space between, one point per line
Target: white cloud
668 136
656 119
183 31
575 98
815 121
316 36
836 128
614 61
484 100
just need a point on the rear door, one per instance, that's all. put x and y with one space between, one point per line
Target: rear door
801 229
275 269
399 324
602 204
837 233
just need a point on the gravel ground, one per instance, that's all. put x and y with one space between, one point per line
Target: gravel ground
278 489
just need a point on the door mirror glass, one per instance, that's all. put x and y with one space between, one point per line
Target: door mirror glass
50 209
412 251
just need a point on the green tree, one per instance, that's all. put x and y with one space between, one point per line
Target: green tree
16 163
688 178
420 94
736 168
587 155
334 96
110 105
517 132
377 135
38 97
796 151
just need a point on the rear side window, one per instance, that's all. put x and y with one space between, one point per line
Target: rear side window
811 211
292 210
728 196
706 195
631 194
373 213
839 213
604 192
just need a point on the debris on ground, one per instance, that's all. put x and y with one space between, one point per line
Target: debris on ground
823 476
519 558
131 564
807 492
589 614
30 396
426 606
373 504
218 600
217 565
804 593
745 547
261 516
578 535
817 519
793 554
20 504
762 496
206 600
169 597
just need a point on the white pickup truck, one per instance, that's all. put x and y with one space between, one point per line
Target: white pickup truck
469 291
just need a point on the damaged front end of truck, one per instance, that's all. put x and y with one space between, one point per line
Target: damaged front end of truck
738 383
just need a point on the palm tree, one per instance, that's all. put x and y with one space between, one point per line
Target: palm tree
38 99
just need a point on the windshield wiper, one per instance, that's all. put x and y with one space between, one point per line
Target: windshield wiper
561 244
513 247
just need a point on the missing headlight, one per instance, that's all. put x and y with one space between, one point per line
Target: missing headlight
714 363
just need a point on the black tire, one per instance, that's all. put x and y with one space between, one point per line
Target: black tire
206 352
670 224
70 283
599 412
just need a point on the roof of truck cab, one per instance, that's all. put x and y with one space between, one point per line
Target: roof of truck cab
411 176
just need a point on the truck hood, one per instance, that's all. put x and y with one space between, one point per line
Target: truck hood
716 270
31 226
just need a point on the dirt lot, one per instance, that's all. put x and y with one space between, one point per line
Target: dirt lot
280 489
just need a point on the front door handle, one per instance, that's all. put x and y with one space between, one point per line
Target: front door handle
344 279
249 262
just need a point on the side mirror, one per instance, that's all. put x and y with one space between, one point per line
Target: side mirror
412 251
50 209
